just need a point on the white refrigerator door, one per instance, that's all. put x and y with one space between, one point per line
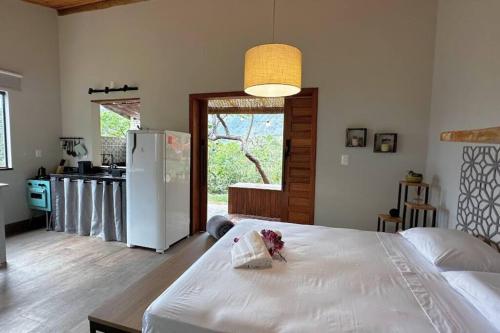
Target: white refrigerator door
177 179
146 190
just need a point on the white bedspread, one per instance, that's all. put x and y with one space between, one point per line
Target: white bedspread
335 280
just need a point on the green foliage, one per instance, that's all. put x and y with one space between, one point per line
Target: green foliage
113 125
217 198
228 164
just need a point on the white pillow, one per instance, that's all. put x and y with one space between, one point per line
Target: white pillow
454 249
251 252
481 289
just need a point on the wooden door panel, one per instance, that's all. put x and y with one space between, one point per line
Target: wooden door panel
298 209
298 188
299 142
302 120
302 109
301 127
302 135
304 166
301 218
198 130
300 160
299 172
301 194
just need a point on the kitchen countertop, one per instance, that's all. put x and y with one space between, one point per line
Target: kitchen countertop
94 176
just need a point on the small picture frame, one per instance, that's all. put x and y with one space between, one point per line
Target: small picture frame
385 142
355 137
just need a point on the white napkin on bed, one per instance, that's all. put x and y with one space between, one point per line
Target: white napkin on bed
251 252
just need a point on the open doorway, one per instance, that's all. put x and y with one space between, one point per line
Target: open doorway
244 153
293 199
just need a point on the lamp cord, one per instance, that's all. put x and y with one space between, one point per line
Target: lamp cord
274 19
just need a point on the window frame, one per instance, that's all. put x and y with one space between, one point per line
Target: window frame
5 115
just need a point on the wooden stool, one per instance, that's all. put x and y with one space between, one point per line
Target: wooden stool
415 208
388 218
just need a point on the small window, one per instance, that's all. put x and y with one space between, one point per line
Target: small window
5 161
116 119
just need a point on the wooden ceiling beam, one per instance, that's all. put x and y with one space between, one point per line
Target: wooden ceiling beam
96 6
483 135
66 7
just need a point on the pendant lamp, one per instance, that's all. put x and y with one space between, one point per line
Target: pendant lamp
273 70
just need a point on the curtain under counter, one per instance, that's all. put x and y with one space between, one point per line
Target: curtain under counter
89 208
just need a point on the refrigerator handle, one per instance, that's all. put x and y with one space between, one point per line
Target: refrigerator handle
134 146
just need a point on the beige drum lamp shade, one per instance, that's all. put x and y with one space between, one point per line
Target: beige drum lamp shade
273 70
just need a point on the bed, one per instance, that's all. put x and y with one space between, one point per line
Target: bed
334 280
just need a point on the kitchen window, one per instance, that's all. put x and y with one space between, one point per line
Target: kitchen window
5 160
116 118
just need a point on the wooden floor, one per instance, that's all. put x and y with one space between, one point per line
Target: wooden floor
53 281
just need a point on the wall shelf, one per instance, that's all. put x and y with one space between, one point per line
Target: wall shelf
385 143
359 134
483 135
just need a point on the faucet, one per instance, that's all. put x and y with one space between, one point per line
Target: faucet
111 157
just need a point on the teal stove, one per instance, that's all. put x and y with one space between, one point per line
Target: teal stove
39 196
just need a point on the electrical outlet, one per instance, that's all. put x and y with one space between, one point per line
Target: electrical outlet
344 160
38 153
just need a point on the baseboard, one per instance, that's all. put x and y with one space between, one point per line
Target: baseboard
16 228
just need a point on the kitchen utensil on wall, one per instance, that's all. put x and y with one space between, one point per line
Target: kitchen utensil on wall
80 149
73 153
74 146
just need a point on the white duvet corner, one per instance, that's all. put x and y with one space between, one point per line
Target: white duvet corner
481 289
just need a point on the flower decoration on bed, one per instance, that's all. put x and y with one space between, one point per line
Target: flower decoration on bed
273 241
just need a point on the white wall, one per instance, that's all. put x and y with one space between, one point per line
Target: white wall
466 90
29 45
372 62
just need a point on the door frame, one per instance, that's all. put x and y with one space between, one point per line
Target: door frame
198 114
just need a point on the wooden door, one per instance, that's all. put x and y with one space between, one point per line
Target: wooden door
198 130
299 167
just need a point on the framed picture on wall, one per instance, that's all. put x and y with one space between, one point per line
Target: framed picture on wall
355 137
385 142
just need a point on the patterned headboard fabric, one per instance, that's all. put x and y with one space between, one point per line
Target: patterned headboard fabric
479 198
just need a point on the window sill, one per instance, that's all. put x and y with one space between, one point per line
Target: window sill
6 169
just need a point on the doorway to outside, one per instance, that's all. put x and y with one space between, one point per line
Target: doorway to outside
245 150
292 200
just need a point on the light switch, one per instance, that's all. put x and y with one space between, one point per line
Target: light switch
38 153
344 160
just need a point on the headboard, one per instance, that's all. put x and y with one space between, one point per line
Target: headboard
479 198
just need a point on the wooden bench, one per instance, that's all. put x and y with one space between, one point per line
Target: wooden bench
123 313
255 199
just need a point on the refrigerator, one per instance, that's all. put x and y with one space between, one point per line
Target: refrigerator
158 188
